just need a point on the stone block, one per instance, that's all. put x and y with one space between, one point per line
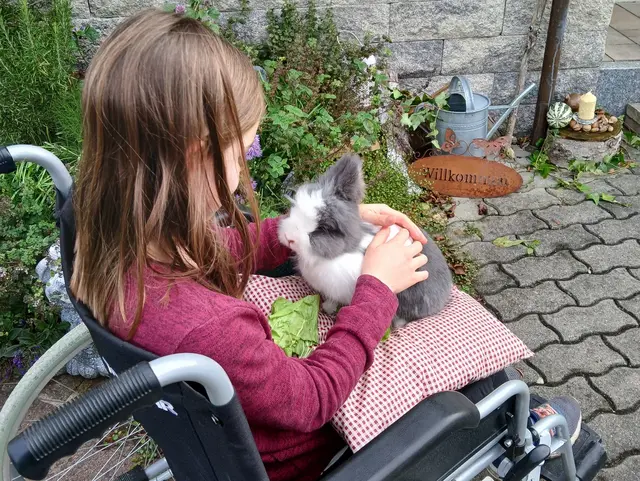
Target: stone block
416 59
515 302
632 125
491 280
602 258
482 55
467 209
519 201
520 223
569 80
620 434
627 470
564 215
363 18
441 20
582 16
590 401
481 83
627 343
618 85
622 385
80 8
632 306
591 356
574 54
575 323
120 8
627 184
532 332
633 112
562 150
531 270
628 206
226 5
485 252
572 237
591 288
613 231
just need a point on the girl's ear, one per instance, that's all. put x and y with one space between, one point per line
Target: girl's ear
345 179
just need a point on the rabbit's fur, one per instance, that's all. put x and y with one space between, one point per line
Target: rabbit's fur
329 239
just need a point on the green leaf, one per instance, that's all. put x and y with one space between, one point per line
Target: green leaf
441 100
386 335
396 94
294 325
608 198
506 242
295 111
594 197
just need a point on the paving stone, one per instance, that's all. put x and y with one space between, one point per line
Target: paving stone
564 215
627 184
627 470
590 401
531 200
602 258
491 280
591 356
568 238
613 231
494 226
514 302
574 323
531 270
467 209
485 252
567 196
632 206
532 332
627 343
632 305
531 376
622 385
436 20
620 433
531 181
462 232
635 273
591 288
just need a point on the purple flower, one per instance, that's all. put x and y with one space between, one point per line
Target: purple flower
254 185
255 150
17 362
180 8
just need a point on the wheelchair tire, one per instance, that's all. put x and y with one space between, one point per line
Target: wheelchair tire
32 383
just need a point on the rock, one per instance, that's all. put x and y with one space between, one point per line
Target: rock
564 150
454 19
575 323
88 362
533 332
416 59
481 55
591 288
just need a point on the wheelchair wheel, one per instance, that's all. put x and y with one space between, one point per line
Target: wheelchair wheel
120 449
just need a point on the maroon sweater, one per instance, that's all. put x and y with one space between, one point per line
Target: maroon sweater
288 402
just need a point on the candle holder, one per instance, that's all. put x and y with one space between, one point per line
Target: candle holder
584 122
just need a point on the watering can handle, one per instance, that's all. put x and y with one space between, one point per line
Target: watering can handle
459 83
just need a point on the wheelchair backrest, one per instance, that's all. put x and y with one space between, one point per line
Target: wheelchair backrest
200 441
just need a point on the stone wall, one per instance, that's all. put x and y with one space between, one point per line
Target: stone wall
433 40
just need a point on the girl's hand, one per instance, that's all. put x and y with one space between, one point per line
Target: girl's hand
384 216
393 263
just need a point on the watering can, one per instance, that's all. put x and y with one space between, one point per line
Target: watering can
467 118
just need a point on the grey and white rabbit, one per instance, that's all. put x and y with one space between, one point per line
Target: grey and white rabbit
329 239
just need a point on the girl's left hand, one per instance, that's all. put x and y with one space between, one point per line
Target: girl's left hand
384 216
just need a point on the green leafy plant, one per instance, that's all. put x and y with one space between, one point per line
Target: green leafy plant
632 139
539 158
421 111
529 244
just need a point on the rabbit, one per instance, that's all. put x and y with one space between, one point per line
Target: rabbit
325 232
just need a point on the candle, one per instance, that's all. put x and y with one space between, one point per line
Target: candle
587 108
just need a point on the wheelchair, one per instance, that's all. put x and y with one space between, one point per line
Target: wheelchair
187 405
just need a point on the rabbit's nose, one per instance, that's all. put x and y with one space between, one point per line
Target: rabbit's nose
290 241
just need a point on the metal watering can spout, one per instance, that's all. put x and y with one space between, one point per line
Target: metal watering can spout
508 109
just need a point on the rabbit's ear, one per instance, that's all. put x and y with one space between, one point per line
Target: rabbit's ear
345 179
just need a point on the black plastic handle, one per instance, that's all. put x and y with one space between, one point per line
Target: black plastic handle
63 432
7 163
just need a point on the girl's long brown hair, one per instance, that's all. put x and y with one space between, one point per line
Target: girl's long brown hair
163 98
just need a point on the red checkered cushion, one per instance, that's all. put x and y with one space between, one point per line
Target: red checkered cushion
462 344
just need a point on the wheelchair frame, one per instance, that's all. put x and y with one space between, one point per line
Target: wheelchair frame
142 386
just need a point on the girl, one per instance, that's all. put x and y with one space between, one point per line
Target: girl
169 110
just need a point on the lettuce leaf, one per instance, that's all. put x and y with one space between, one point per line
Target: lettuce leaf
294 325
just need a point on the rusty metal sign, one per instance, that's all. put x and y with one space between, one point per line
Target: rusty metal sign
462 176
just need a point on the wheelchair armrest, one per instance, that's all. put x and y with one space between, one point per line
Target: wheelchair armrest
409 439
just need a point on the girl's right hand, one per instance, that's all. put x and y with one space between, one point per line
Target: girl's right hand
393 263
